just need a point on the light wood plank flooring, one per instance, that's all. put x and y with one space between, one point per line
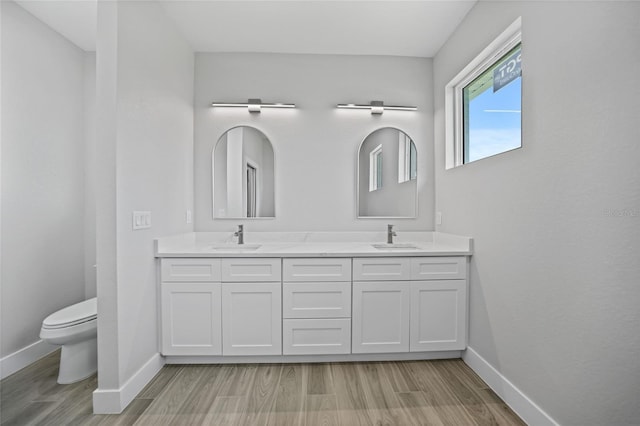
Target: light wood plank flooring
350 394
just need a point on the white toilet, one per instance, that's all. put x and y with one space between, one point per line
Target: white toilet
75 328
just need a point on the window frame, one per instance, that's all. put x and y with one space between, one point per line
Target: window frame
454 101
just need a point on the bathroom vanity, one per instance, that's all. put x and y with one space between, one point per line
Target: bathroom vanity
312 297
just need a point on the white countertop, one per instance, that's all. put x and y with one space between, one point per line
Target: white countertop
313 244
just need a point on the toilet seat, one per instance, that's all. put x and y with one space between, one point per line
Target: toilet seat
72 315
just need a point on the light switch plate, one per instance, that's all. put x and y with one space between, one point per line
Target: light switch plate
141 220
438 218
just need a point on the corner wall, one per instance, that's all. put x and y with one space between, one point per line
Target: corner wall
90 161
556 224
145 156
42 182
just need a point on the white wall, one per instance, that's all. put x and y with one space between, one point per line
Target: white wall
42 176
315 145
145 155
554 276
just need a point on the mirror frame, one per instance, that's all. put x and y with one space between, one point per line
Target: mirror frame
213 183
415 213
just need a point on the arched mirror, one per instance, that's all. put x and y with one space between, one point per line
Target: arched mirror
387 175
243 183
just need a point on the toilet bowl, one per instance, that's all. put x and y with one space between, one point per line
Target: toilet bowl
75 329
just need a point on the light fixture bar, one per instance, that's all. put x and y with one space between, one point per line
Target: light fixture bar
254 105
377 107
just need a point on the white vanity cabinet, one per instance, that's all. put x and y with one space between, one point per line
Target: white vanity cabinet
438 315
225 309
316 306
424 307
438 304
251 306
190 293
381 303
380 316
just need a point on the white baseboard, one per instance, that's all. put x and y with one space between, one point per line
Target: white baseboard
520 403
113 401
289 359
24 357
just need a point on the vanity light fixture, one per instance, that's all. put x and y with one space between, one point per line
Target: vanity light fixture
378 107
254 105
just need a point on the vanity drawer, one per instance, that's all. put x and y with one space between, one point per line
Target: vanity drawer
190 270
438 268
382 269
251 270
316 300
316 270
316 336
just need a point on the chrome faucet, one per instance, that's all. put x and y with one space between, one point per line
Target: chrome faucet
390 234
240 234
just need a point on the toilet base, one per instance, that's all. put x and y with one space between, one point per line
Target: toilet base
78 361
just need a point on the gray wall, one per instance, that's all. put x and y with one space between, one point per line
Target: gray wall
90 135
554 303
315 145
43 166
145 152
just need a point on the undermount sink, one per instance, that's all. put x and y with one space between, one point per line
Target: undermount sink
395 246
234 247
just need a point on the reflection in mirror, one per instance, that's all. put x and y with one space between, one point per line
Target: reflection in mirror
243 184
387 175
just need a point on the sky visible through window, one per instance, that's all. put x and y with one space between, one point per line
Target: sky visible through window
493 118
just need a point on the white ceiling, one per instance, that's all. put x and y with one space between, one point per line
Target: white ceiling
74 19
357 27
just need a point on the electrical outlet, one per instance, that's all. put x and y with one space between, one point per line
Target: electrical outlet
189 216
141 220
438 218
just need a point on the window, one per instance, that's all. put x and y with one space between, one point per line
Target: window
407 158
375 168
492 108
484 103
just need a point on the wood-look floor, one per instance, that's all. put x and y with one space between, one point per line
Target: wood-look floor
351 394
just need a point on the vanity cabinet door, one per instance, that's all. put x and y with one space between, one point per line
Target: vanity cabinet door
191 319
438 315
381 317
252 318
